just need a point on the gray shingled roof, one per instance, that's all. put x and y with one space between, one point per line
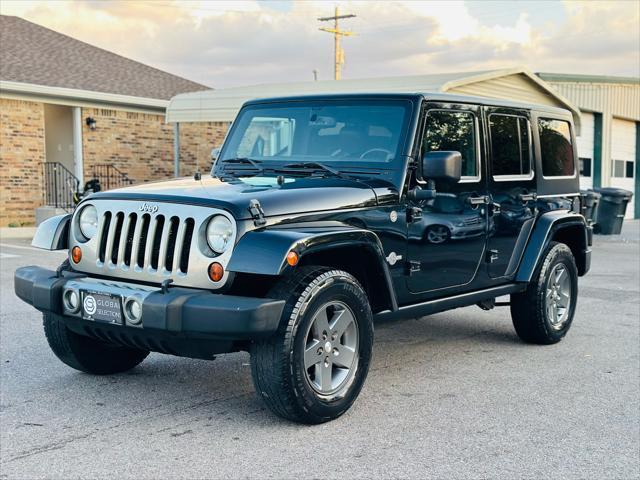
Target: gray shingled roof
30 53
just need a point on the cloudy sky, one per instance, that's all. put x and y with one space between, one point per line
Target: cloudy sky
231 43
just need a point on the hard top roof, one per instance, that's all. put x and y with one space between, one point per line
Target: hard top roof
429 96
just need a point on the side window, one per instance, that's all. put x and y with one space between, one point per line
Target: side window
510 146
456 131
556 148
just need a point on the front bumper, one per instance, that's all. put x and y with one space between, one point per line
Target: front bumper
183 312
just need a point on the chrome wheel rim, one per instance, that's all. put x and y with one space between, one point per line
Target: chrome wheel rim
558 296
437 235
331 348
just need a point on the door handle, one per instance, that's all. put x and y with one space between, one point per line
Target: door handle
478 200
528 197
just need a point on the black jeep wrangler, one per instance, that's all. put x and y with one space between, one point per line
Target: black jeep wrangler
321 215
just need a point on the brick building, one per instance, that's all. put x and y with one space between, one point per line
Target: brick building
70 112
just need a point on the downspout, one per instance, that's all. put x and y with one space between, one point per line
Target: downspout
597 150
176 149
636 193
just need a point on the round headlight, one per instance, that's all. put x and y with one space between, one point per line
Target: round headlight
88 221
219 233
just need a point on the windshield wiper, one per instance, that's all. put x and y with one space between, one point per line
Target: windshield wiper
246 160
315 166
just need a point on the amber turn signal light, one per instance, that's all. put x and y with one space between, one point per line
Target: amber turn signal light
292 258
76 254
216 271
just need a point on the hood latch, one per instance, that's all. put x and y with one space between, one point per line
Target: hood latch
255 209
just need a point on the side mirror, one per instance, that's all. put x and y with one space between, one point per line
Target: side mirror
442 165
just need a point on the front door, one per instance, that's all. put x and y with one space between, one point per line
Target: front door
447 238
512 188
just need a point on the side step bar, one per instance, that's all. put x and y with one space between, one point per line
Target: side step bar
448 303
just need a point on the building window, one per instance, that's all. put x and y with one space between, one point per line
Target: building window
622 168
556 148
510 146
454 131
585 167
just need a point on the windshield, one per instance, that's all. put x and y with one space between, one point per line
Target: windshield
320 131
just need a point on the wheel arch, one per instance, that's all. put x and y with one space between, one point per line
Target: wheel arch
560 226
356 251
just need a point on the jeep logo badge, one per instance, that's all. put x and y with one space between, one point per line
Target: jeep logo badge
147 207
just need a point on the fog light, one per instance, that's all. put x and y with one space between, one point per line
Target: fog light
76 254
133 309
71 300
216 271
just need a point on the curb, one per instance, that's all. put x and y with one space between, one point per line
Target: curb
17 233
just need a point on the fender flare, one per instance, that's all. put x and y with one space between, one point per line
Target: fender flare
547 225
264 252
53 233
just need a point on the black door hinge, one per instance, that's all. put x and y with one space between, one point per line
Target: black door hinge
492 256
255 209
412 266
414 214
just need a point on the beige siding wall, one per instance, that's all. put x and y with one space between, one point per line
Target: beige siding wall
511 87
619 100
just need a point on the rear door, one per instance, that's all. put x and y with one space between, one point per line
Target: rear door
512 187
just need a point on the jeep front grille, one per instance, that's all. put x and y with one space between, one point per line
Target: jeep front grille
151 242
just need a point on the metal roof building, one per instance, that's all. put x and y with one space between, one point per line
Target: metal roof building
517 84
609 142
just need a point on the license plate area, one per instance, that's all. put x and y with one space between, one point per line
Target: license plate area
102 307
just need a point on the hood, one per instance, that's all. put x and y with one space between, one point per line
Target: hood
295 195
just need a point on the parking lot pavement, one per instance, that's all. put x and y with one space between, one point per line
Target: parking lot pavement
451 395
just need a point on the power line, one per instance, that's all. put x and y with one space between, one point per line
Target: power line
337 33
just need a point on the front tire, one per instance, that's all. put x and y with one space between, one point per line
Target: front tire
87 354
312 370
543 313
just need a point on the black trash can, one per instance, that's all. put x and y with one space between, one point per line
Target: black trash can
611 210
589 201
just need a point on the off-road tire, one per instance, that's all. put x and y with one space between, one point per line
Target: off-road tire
528 311
87 354
277 366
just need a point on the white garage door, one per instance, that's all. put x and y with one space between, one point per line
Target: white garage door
623 157
585 150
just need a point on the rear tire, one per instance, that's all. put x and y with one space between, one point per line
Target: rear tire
312 370
87 354
543 313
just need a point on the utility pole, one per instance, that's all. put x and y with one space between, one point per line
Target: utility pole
337 33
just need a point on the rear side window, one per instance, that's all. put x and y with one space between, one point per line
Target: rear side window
510 146
451 130
556 148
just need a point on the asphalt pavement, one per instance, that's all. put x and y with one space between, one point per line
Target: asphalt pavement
453 395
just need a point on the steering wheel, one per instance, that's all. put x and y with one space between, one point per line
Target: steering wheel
373 150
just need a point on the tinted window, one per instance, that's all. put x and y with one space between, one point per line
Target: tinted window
510 145
556 148
453 131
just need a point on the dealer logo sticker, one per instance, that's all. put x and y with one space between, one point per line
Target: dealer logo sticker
90 305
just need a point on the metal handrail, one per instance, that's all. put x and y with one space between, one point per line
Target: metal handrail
60 184
110 176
